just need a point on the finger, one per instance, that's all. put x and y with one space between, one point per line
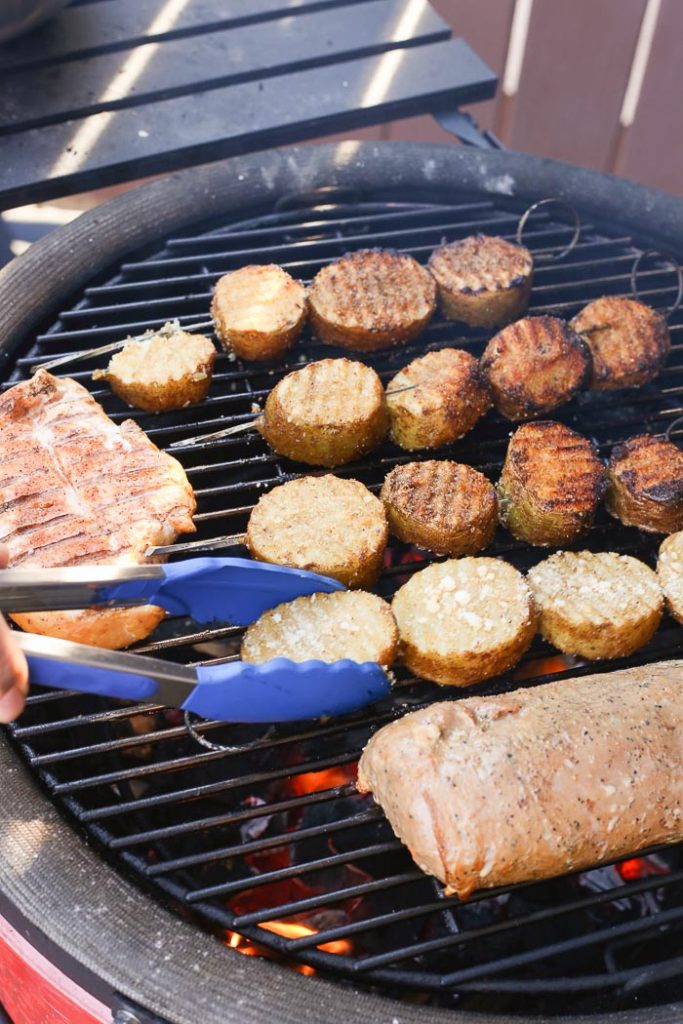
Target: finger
11 705
4 556
13 667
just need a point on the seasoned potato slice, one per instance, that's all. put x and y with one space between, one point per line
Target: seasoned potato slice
451 397
645 488
596 605
330 526
258 311
371 299
483 281
629 342
464 620
441 506
326 414
167 370
670 573
325 627
551 484
535 365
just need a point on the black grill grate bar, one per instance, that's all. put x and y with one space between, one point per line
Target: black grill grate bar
205 756
334 242
341 894
550 241
474 934
179 304
323 863
211 788
49 697
630 979
183 280
260 845
655 922
189 639
99 718
402 216
154 835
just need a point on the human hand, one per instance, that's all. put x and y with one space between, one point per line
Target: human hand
13 667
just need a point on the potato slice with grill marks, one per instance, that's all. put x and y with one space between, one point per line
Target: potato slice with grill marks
325 627
535 365
482 280
371 299
325 524
442 506
645 486
464 620
596 605
551 484
670 573
629 342
328 413
167 370
258 311
452 395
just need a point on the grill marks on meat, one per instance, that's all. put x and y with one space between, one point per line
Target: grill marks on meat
493 791
77 489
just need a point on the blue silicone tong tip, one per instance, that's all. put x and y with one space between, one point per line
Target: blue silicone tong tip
281 690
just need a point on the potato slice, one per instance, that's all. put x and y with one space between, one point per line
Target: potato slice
645 488
331 526
482 281
551 484
670 573
452 396
258 311
325 627
535 365
596 605
464 620
371 299
167 370
326 414
629 342
442 506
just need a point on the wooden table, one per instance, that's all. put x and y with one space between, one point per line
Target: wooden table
114 90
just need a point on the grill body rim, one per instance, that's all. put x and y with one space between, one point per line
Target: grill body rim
47 873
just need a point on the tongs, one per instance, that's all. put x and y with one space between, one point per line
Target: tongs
231 590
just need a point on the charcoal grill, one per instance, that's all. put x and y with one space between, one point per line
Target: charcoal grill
121 847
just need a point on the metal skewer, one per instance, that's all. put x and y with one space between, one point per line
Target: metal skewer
114 346
230 540
238 428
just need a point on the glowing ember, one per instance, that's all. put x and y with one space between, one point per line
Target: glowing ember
288 930
314 782
640 867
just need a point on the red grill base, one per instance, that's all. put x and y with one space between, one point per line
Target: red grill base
34 991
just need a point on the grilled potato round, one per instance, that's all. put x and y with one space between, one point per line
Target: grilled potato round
331 526
551 484
258 311
629 342
451 397
441 506
325 627
167 370
596 605
371 299
326 414
483 281
670 573
534 365
464 620
645 487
